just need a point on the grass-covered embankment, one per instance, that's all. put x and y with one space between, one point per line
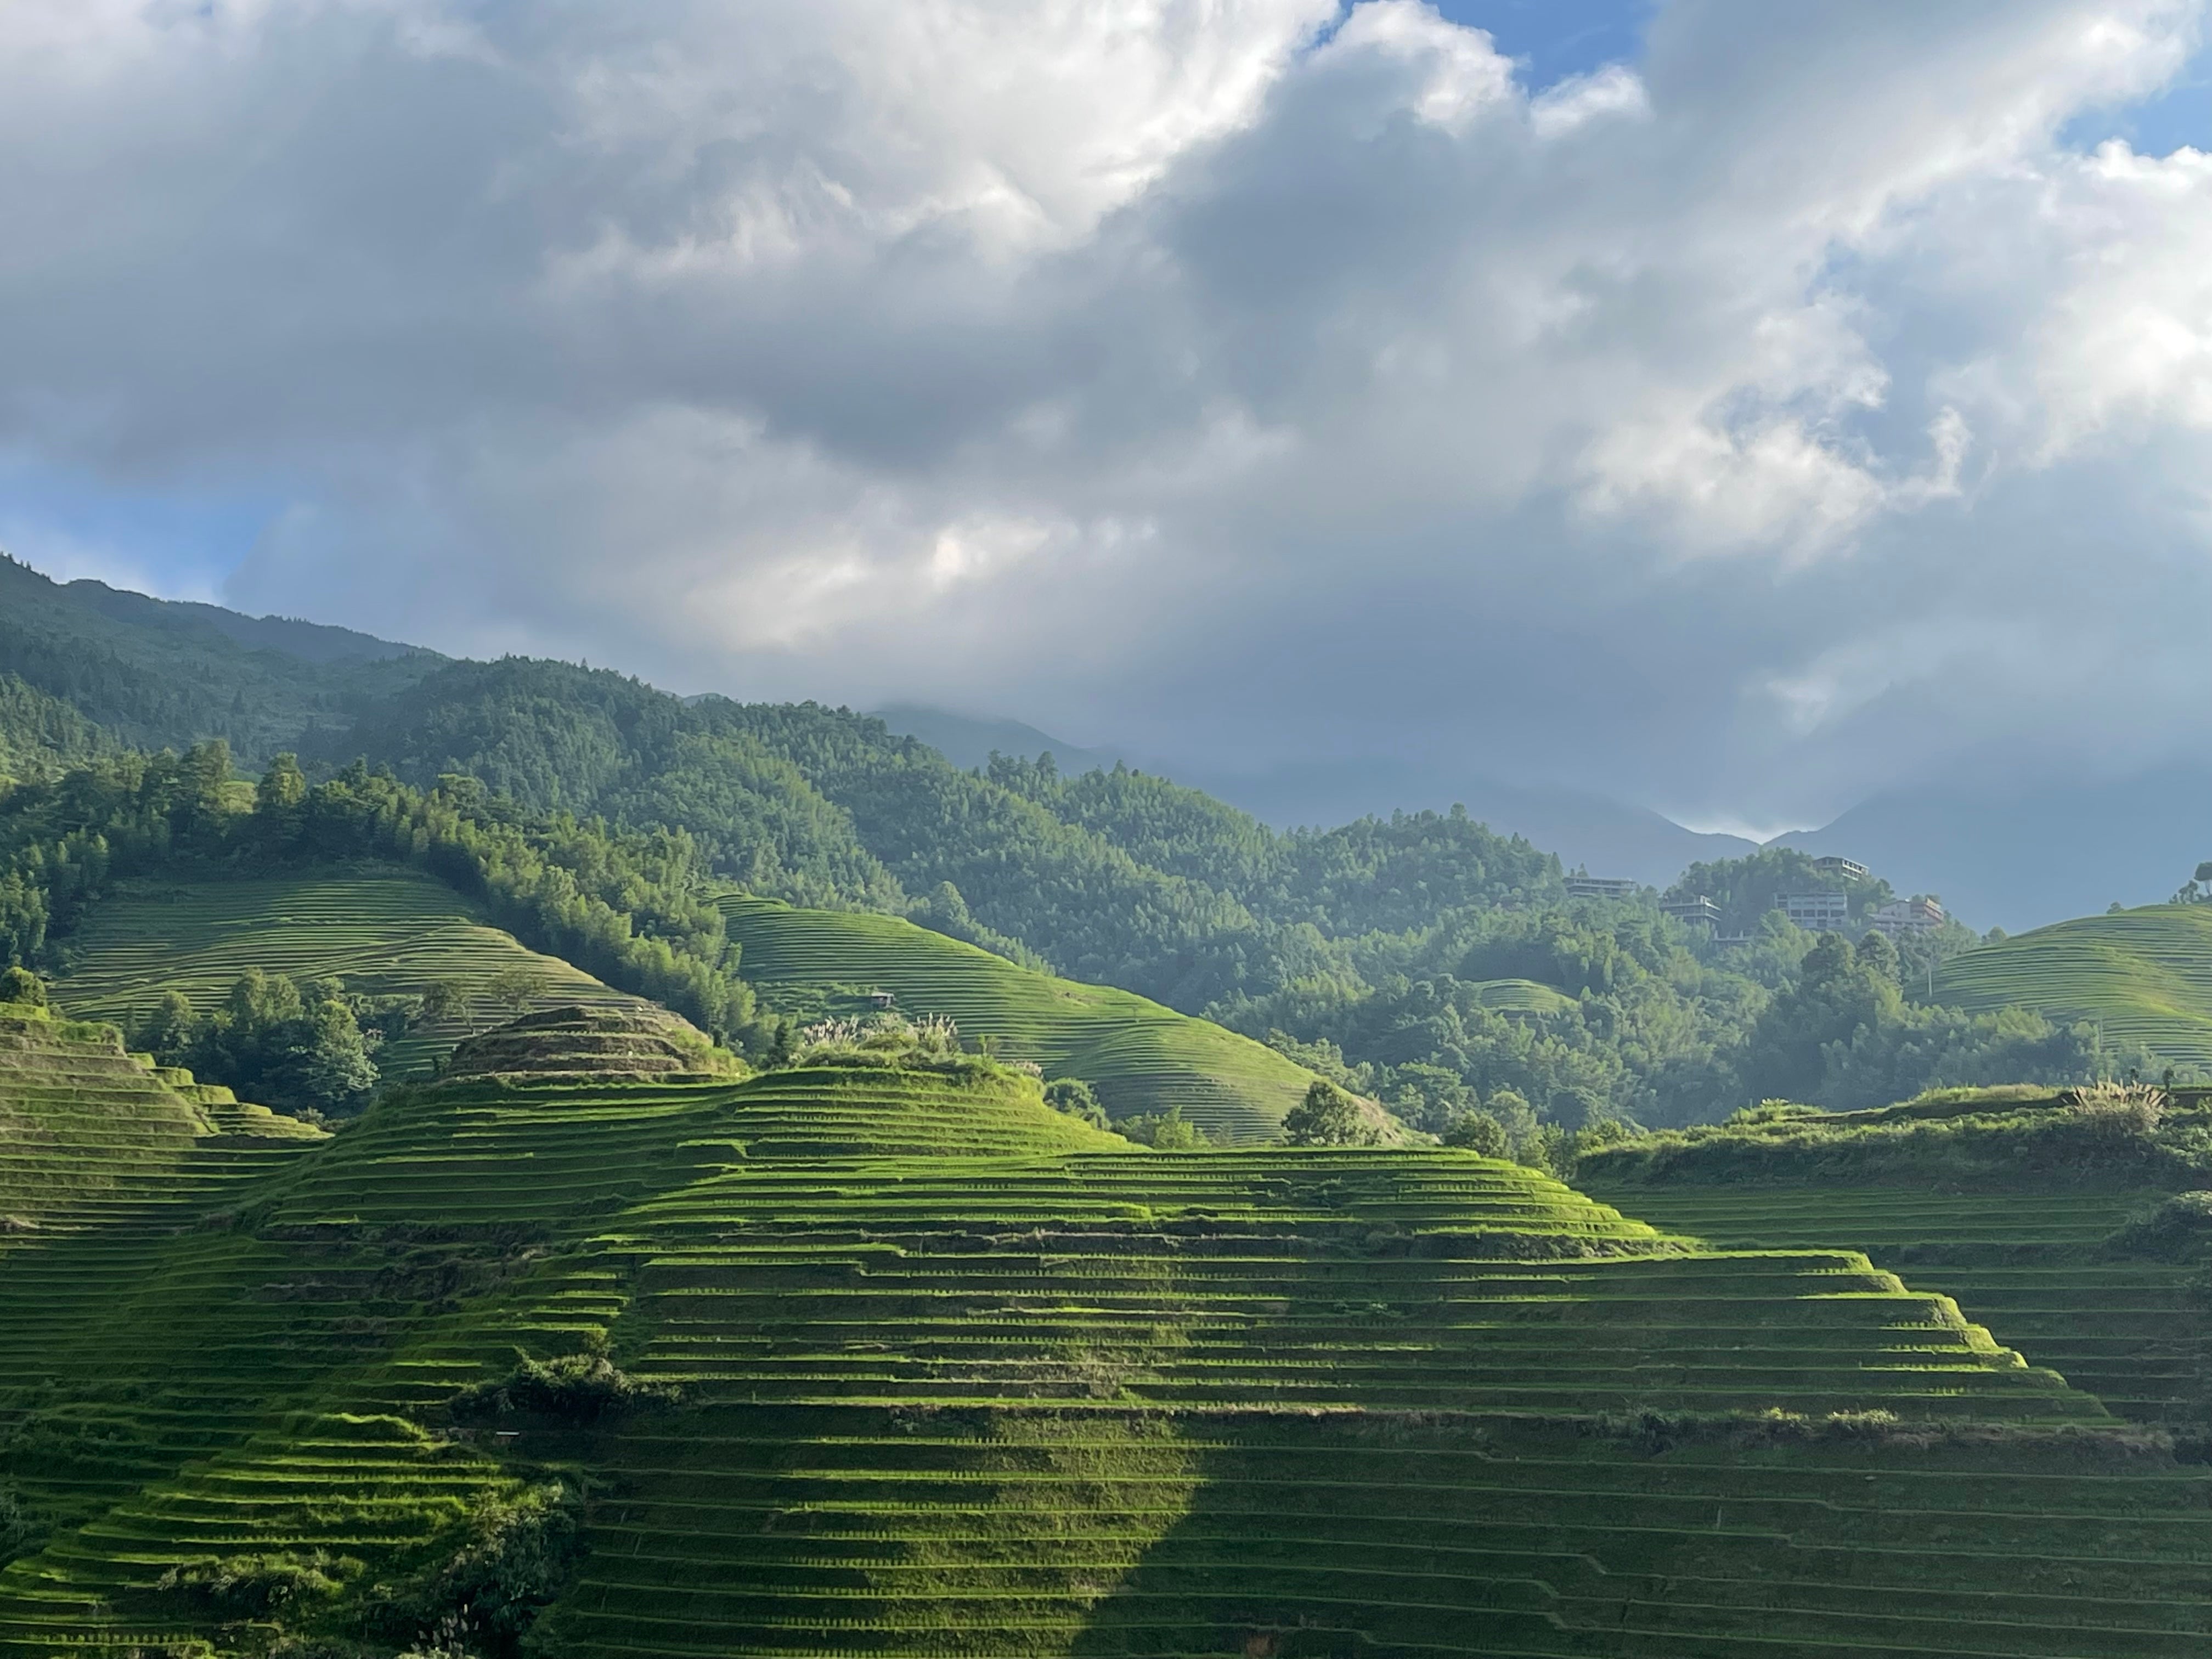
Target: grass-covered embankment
1139 1056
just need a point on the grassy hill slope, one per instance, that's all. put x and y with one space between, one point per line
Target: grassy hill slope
2144 976
978 1381
1139 1056
383 930
88 1131
2012 1206
2133 1332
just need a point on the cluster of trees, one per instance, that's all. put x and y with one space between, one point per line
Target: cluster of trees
296 1045
634 908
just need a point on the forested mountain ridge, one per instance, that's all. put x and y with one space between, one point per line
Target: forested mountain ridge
156 673
1422 960
39 732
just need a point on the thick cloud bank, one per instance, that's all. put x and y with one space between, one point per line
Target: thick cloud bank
1791 416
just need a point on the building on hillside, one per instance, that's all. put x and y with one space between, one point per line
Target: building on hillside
1601 887
1841 869
883 999
1698 912
1818 913
1912 916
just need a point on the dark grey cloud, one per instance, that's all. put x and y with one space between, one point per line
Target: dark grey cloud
1788 419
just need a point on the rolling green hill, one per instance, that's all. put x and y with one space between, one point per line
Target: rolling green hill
1139 1056
383 930
2145 976
955 1374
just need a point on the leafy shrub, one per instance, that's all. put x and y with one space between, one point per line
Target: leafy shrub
1072 1096
2178 1230
1165 1132
1479 1132
483 1591
1328 1117
577 1389
21 986
16 1528
257 1586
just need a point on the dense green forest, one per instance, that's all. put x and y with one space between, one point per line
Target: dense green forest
156 674
631 908
1422 959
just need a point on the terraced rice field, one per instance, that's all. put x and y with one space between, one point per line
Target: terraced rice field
1139 1056
960 1376
2031 1266
384 931
1521 996
89 1133
2144 976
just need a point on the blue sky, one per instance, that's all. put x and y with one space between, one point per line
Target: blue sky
1557 37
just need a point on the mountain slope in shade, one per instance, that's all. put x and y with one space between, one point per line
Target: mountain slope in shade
2022 858
1607 837
968 742
157 673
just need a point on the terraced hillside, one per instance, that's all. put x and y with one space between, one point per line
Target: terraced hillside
88 1133
959 1375
2035 1267
384 930
2014 1200
1139 1056
2144 976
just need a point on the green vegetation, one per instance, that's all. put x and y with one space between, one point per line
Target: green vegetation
1329 1117
599 1342
40 733
386 933
1141 1058
632 910
2042 1211
880 1353
2142 979
155 674
1423 961
1843 1035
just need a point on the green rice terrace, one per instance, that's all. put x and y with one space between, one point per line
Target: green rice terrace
894 1360
2027 1206
382 930
2143 975
1139 1056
